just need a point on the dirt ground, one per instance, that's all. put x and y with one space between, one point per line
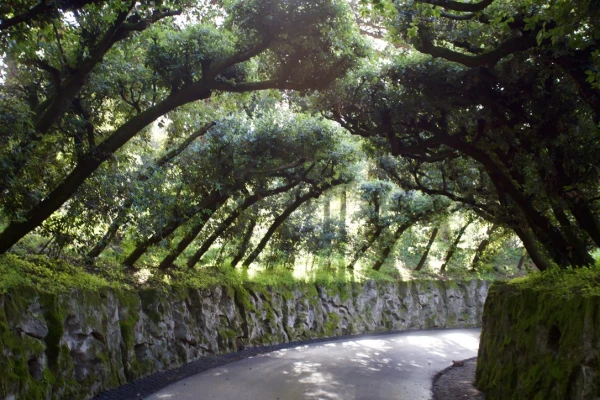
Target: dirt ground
456 383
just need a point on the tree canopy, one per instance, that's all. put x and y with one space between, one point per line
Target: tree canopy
167 133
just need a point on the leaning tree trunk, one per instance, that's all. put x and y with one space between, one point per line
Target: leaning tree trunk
482 247
142 177
534 250
386 252
427 249
579 248
244 245
114 227
86 166
454 246
366 246
326 234
521 261
277 223
167 230
183 244
248 202
342 223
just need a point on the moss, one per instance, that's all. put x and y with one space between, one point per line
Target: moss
47 275
331 324
243 297
286 292
57 379
227 339
532 345
55 319
152 304
128 318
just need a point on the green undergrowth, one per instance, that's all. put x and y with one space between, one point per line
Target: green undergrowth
563 282
58 275
47 275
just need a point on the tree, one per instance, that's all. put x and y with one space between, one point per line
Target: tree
180 66
408 209
374 194
454 245
495 130
423 259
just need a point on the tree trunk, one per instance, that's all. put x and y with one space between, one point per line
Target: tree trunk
586 219
167 230
454 245
189 237
366 246
541 226
248 202
541 261
245 243
521 261
201 90
86 167
114 227
277 223
343 206
427 249
578 250
142 177
482 247
386 252
327 231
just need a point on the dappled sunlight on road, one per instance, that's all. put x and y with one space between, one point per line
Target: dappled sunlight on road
395 366
466 341
323 384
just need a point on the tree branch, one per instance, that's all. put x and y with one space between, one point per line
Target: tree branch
489 58
459 6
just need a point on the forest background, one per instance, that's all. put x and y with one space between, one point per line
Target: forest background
201 142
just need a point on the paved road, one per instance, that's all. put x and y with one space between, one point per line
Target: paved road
386 367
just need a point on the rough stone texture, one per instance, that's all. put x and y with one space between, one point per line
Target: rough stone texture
78 344
539 345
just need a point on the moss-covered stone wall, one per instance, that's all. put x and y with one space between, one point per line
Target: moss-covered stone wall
74 345
539 344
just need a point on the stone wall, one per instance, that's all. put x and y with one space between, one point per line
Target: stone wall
78 344
539 345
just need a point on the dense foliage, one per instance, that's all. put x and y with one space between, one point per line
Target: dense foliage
384 134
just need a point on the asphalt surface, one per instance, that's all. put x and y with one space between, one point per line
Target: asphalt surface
397 366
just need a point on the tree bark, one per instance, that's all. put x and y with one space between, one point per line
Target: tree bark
93 159
366 246
454 246
388 249
143 177
248 202
427 249
482 247
521 261
168 229
245 242
278 221
327 231
114 227
343 207
551 238
578 248
541 261
183 244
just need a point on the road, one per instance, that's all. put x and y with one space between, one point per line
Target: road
386 367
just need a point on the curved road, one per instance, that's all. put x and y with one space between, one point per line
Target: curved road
387 367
